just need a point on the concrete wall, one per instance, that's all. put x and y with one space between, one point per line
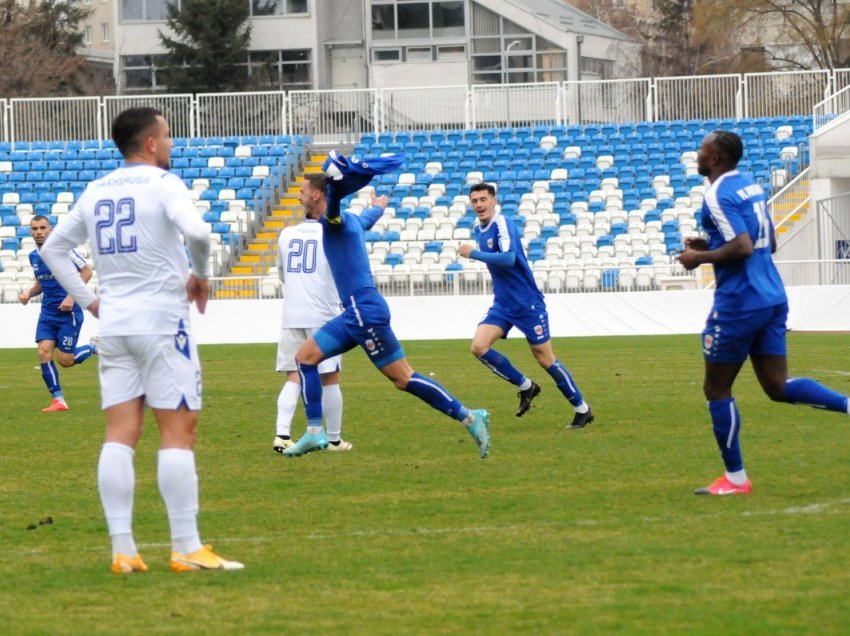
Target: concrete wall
824 308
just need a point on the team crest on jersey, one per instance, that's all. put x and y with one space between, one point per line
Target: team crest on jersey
370 344
538 329
490 243
707 341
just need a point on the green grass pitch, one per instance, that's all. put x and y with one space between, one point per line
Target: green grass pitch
558 531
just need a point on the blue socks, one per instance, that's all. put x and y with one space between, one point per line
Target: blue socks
565 383
81 354
501 366
436 396
51 378
311 392
726 423
807 391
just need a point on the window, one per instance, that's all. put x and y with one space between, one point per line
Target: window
447 19
87 36
104 32
278 7
446 53
282 70
147 10
424 19
419 54
603 69
504 53
386 55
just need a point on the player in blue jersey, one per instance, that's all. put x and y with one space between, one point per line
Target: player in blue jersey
517 302
365 321
60 320
750 306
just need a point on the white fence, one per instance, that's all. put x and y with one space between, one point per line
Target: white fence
335 115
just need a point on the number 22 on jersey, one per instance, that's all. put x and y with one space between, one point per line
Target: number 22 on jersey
114 230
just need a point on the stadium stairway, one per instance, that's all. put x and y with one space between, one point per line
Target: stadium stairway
798 202
261 253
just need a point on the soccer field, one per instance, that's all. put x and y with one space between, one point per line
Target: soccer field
558 531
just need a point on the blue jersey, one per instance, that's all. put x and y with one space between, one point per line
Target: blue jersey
514 289
345 249
52 292
732 205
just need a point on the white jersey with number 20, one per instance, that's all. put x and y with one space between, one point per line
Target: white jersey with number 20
310 298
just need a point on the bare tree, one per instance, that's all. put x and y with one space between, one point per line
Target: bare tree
38 42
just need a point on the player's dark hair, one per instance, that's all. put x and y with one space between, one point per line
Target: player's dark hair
317 181
483 187
729 146
128 126
40 217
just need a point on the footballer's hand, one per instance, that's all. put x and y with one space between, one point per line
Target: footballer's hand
67 304
24 298
465 250
94 308
690 258
198 290
696 243
380 201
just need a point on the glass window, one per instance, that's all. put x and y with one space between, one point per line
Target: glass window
132 10
296 6
156 9
386 55
87 35
487 63
266 7
419 54
383 22
138 78
104 31
451 52
447 19
413 20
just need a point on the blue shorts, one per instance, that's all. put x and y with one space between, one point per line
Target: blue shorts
62 327
533 323
730 337
365 322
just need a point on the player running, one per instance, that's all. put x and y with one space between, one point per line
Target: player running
365 320
60 319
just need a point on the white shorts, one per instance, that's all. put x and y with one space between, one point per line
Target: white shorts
164 369
290 340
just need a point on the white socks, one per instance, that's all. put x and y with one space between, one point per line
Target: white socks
332 410
287 402
739 477
116 481
178 484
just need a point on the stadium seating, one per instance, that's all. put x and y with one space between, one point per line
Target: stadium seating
600 207
225 175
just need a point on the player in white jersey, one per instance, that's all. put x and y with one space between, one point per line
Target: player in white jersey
134 217
310 300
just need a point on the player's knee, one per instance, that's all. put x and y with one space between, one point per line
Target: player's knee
775 391
479 349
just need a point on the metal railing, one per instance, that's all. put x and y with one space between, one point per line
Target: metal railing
336 114
704 97
516 105
790 200
607 101
330 115
261 113
776 94
55 118
831 108
431 108
420 281
179 110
